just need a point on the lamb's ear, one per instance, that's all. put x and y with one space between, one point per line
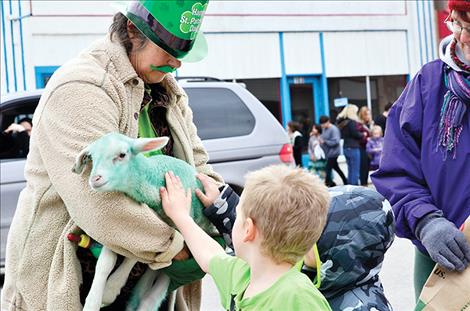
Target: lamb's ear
81 160
149 144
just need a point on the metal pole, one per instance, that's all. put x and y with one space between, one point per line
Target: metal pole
369 97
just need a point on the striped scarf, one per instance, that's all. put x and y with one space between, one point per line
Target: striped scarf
456 100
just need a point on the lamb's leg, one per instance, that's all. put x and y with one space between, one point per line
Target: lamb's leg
156 295
117 280
141 288
104 266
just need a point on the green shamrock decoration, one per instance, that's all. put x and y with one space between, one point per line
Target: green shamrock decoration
191 20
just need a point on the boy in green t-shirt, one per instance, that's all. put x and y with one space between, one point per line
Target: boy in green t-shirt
281 214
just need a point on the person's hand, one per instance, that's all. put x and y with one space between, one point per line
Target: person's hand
445 244
183 254
15 128
309 259
176 202
210 188
320 141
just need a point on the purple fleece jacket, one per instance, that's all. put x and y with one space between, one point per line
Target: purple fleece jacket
413 175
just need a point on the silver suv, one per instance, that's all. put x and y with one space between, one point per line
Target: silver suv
239 133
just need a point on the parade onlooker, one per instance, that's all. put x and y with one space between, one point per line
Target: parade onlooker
14 141
296 140
365 117
381 120
365 125
280 216
374 147
121 83
348 123
316 153
330 142
425 161
359 230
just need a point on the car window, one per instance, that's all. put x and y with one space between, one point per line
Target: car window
13 143
219 113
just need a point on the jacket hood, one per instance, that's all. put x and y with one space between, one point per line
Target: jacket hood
444 53
359 230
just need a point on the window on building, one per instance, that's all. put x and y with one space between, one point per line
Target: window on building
219 113
353 88
268 92
385 89
43 74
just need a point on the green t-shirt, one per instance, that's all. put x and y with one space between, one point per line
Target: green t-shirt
292 291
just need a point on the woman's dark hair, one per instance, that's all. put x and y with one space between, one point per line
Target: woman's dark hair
318 127
118 30
294 126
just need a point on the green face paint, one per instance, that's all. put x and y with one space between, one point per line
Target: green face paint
165 69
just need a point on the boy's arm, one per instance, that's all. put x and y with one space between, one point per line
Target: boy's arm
176 203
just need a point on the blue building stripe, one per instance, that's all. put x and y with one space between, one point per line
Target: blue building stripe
13 48
419 34
5 59
285 92
326 105
22 46
430 29
425 31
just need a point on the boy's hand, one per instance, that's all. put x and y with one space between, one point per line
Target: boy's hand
210 188
175 201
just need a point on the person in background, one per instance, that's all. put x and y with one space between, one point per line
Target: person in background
296 140
365 117
425 160
374 147
330 142
14 141
316 154
381 120
348 124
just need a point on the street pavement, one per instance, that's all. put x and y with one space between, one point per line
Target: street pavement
396 276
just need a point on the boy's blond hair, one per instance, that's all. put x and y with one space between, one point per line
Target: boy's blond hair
289 208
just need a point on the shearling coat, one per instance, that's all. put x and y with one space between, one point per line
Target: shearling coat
94 94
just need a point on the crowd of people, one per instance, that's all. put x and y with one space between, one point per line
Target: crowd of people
355 134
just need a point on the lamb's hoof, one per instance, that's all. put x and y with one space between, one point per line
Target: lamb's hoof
110 294
91 306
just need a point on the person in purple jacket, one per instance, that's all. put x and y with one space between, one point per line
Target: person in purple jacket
425 167
374 147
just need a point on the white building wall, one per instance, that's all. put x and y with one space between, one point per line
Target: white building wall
302 53
360 37
366 53
238 55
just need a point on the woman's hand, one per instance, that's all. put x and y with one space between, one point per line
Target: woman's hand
183 254
309 259
210 188
176 202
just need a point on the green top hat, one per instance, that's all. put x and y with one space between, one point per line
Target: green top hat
173 25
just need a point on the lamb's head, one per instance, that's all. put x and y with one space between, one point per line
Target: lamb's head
114 156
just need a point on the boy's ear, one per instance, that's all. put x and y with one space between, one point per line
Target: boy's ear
250 230
149 144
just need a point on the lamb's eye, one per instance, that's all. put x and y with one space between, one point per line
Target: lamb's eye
122 155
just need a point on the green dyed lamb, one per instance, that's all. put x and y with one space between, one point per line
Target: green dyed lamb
119 164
